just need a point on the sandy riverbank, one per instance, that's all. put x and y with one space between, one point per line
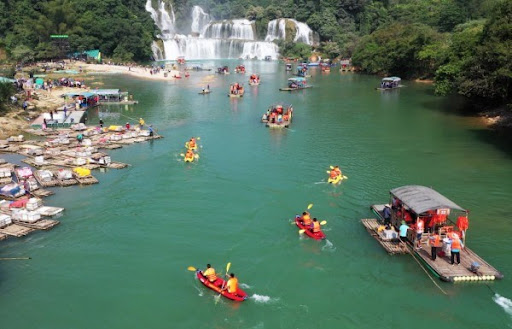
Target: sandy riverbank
16 120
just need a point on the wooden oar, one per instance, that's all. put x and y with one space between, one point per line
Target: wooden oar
223 284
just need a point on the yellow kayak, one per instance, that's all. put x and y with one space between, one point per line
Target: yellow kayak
335 180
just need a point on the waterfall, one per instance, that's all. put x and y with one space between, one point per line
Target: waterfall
241 29
199 20
223 39
277 31
157 52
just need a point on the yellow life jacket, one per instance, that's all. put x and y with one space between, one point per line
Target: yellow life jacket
210 274
232 285
316 227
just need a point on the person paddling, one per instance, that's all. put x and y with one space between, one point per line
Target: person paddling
192 143
232 284
306 219
210 274
315 226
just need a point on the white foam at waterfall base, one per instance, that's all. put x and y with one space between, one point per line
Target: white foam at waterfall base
157 52
200 20
505 303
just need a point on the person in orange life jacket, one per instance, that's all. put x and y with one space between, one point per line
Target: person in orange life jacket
420 227
189 154
337 170
456 246
232 284
435 242
306 218
210 274
192 143
315 226
333 174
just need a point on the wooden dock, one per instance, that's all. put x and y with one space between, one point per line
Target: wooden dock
391 246
86 180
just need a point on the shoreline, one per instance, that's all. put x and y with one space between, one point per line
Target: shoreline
15 121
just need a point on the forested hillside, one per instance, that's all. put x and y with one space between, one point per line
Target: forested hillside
465 45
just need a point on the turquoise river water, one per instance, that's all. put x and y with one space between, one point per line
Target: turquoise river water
119 258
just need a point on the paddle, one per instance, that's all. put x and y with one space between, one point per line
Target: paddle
192 268
224 283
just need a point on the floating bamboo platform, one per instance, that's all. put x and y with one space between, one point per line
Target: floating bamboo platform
42 224
50 183
16 230
442 267
117 165
392 247
86 180
40 193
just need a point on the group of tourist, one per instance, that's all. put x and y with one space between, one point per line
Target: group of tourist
277 114
231 285
254 78
236 89
311 224
191 146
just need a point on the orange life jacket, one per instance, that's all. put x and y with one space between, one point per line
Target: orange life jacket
435 240
337 170
189 155
333 174
316 227
210 274
455 243
306 219
462 223
232 285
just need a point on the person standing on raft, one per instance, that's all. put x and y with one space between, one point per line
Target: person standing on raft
141 123
420 227
210 274
455 246
403 231
435 242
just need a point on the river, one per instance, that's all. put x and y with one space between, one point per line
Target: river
119 258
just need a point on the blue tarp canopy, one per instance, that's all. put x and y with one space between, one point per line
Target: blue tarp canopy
86 94
391 79
105 92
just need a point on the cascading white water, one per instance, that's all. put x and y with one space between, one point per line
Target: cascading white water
157 52
226 39
277 31
241 29
200 20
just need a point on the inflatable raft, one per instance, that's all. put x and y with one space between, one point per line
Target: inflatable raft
240 295
317 236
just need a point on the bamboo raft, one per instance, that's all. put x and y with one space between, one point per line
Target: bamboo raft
392 247
42 224
50 183
64 182
293 89
40 193
86 180
442 268
16 230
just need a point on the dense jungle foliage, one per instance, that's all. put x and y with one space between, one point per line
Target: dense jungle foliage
464 45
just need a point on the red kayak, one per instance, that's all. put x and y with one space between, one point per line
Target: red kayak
317 236
240 295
